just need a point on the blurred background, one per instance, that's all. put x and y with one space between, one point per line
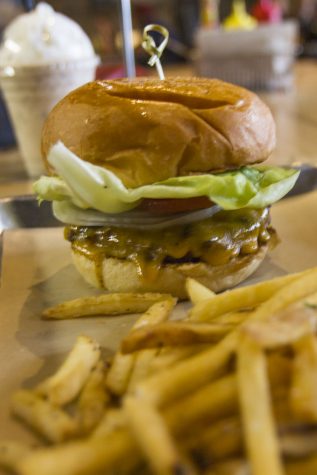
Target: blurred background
101 20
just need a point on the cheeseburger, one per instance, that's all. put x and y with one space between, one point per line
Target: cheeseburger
158 180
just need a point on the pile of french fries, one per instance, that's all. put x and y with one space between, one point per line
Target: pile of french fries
231 389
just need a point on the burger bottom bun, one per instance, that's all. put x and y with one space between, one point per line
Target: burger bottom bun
119 275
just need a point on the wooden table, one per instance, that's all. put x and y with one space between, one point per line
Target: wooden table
295 112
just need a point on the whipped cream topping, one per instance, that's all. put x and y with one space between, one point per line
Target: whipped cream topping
42 37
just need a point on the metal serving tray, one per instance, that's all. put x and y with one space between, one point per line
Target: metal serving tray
24 212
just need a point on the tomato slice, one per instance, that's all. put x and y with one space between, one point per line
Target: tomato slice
172 206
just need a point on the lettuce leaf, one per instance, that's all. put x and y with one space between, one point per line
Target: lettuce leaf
52 188
89 186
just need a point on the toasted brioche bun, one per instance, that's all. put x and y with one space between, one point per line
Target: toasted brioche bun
119 275
148 130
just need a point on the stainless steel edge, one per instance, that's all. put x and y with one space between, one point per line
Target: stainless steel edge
306 182
25 212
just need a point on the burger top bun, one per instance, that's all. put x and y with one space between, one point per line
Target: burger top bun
148 130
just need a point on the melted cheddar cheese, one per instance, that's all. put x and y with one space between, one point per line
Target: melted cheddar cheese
214 241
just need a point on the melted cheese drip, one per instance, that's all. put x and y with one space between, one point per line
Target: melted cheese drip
214 241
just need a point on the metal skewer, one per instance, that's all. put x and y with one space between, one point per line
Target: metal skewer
128 50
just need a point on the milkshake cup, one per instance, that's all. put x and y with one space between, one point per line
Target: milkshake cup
44 56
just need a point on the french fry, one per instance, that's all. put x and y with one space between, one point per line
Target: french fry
306 466
258 421
169 355
299 443
50 421
173 334
143 361
11 452
112 420
229 467
65 384
92 400
242 297
141 368
311 301
217 399
105 304
303 394
196 371
213 401
119 374
83 456
117 446
279 367
283 328
186 376
197 292
153 437
299 288
221 439
281 407
157 313
233 318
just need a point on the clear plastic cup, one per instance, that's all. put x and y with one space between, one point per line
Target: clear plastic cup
31 92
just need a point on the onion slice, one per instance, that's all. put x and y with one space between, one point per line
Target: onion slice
68 213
